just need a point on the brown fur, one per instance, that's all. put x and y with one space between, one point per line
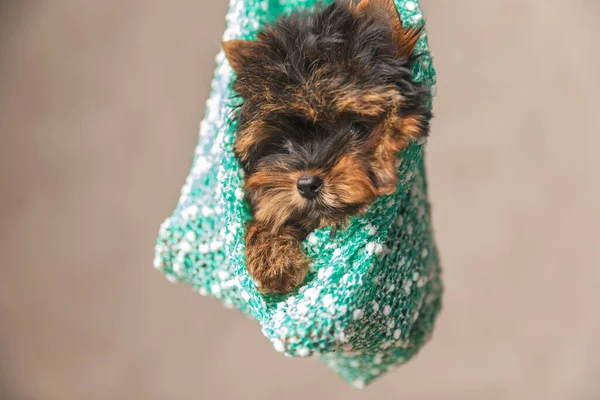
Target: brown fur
275 196
327 98
351 183
405 39
276 262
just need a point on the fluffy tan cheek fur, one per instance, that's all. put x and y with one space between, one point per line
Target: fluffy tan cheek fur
395 134
348 183
274 197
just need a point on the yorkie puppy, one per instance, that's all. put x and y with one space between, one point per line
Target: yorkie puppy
329 100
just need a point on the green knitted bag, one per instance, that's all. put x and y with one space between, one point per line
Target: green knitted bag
371 298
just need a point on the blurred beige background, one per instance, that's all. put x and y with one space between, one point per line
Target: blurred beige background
99 107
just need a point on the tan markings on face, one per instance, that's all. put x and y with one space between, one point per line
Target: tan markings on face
325 93
275 197
252 134
384 157
347 183
410 127
396 133
368 103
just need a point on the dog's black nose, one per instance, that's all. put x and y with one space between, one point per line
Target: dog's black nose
309 186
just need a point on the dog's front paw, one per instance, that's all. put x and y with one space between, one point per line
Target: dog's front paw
275 261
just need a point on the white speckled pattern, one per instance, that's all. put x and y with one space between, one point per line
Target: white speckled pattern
374 291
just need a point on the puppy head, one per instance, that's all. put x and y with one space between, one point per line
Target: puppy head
329 101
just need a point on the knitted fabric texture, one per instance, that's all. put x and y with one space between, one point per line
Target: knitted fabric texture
373 292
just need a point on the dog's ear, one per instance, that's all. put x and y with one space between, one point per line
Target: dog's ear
241 53
386 12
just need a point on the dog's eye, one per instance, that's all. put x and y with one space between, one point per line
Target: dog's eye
359 128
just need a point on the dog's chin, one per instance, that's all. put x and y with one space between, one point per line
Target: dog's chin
318 216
